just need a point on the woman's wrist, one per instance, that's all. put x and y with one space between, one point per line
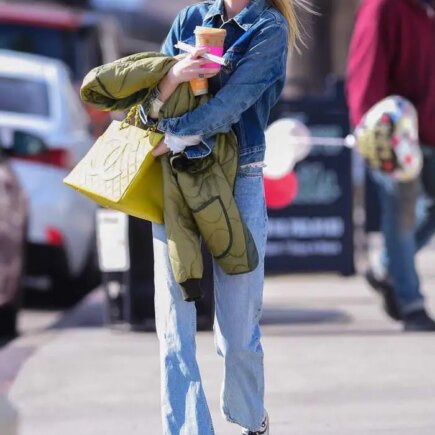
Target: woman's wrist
172 78
167 86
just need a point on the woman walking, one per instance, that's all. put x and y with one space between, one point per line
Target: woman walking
259 33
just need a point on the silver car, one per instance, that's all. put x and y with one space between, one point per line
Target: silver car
38 98
13 218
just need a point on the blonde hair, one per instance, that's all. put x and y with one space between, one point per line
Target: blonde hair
288 9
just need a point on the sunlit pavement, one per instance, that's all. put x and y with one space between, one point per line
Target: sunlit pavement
335 365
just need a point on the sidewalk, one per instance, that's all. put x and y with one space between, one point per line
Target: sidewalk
335 365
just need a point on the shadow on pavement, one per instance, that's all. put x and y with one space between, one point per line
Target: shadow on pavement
91 312
286 316
88 313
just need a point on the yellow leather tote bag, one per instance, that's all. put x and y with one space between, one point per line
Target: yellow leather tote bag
119 172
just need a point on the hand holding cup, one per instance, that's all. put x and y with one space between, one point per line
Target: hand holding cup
191 67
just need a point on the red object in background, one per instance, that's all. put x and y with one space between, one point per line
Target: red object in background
60 158
51 16
99 120
377 68
388 166
54 236
281 192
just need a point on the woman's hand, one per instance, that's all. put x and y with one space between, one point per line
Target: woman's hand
191 67
160 149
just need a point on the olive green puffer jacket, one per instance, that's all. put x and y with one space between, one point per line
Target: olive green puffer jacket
198 194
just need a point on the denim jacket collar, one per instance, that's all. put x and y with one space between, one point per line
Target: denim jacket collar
245 18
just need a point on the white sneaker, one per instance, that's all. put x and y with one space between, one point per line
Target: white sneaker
263 430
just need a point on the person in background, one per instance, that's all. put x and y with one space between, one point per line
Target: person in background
393 53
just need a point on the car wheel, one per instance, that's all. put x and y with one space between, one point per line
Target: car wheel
9 312
8 321
91 275
62 292
67 290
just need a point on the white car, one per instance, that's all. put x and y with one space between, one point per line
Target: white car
38 98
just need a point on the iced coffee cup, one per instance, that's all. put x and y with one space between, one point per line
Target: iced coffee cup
213 40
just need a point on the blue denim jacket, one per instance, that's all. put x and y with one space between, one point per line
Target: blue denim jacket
247 87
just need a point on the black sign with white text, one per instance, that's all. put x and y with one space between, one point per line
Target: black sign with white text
315 232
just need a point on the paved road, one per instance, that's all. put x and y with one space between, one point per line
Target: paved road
335 365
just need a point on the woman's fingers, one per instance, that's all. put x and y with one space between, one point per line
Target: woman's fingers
204 72
192 67
196 64
198 53
160 149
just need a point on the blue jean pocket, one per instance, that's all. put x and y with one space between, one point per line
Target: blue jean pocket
250 170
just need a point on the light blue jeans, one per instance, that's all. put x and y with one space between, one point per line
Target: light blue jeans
238 301
407 228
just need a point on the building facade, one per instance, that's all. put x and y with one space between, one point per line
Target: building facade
327 38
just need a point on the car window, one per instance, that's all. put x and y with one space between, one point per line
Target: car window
55 43
24 96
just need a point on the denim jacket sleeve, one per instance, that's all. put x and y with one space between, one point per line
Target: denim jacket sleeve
259 68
